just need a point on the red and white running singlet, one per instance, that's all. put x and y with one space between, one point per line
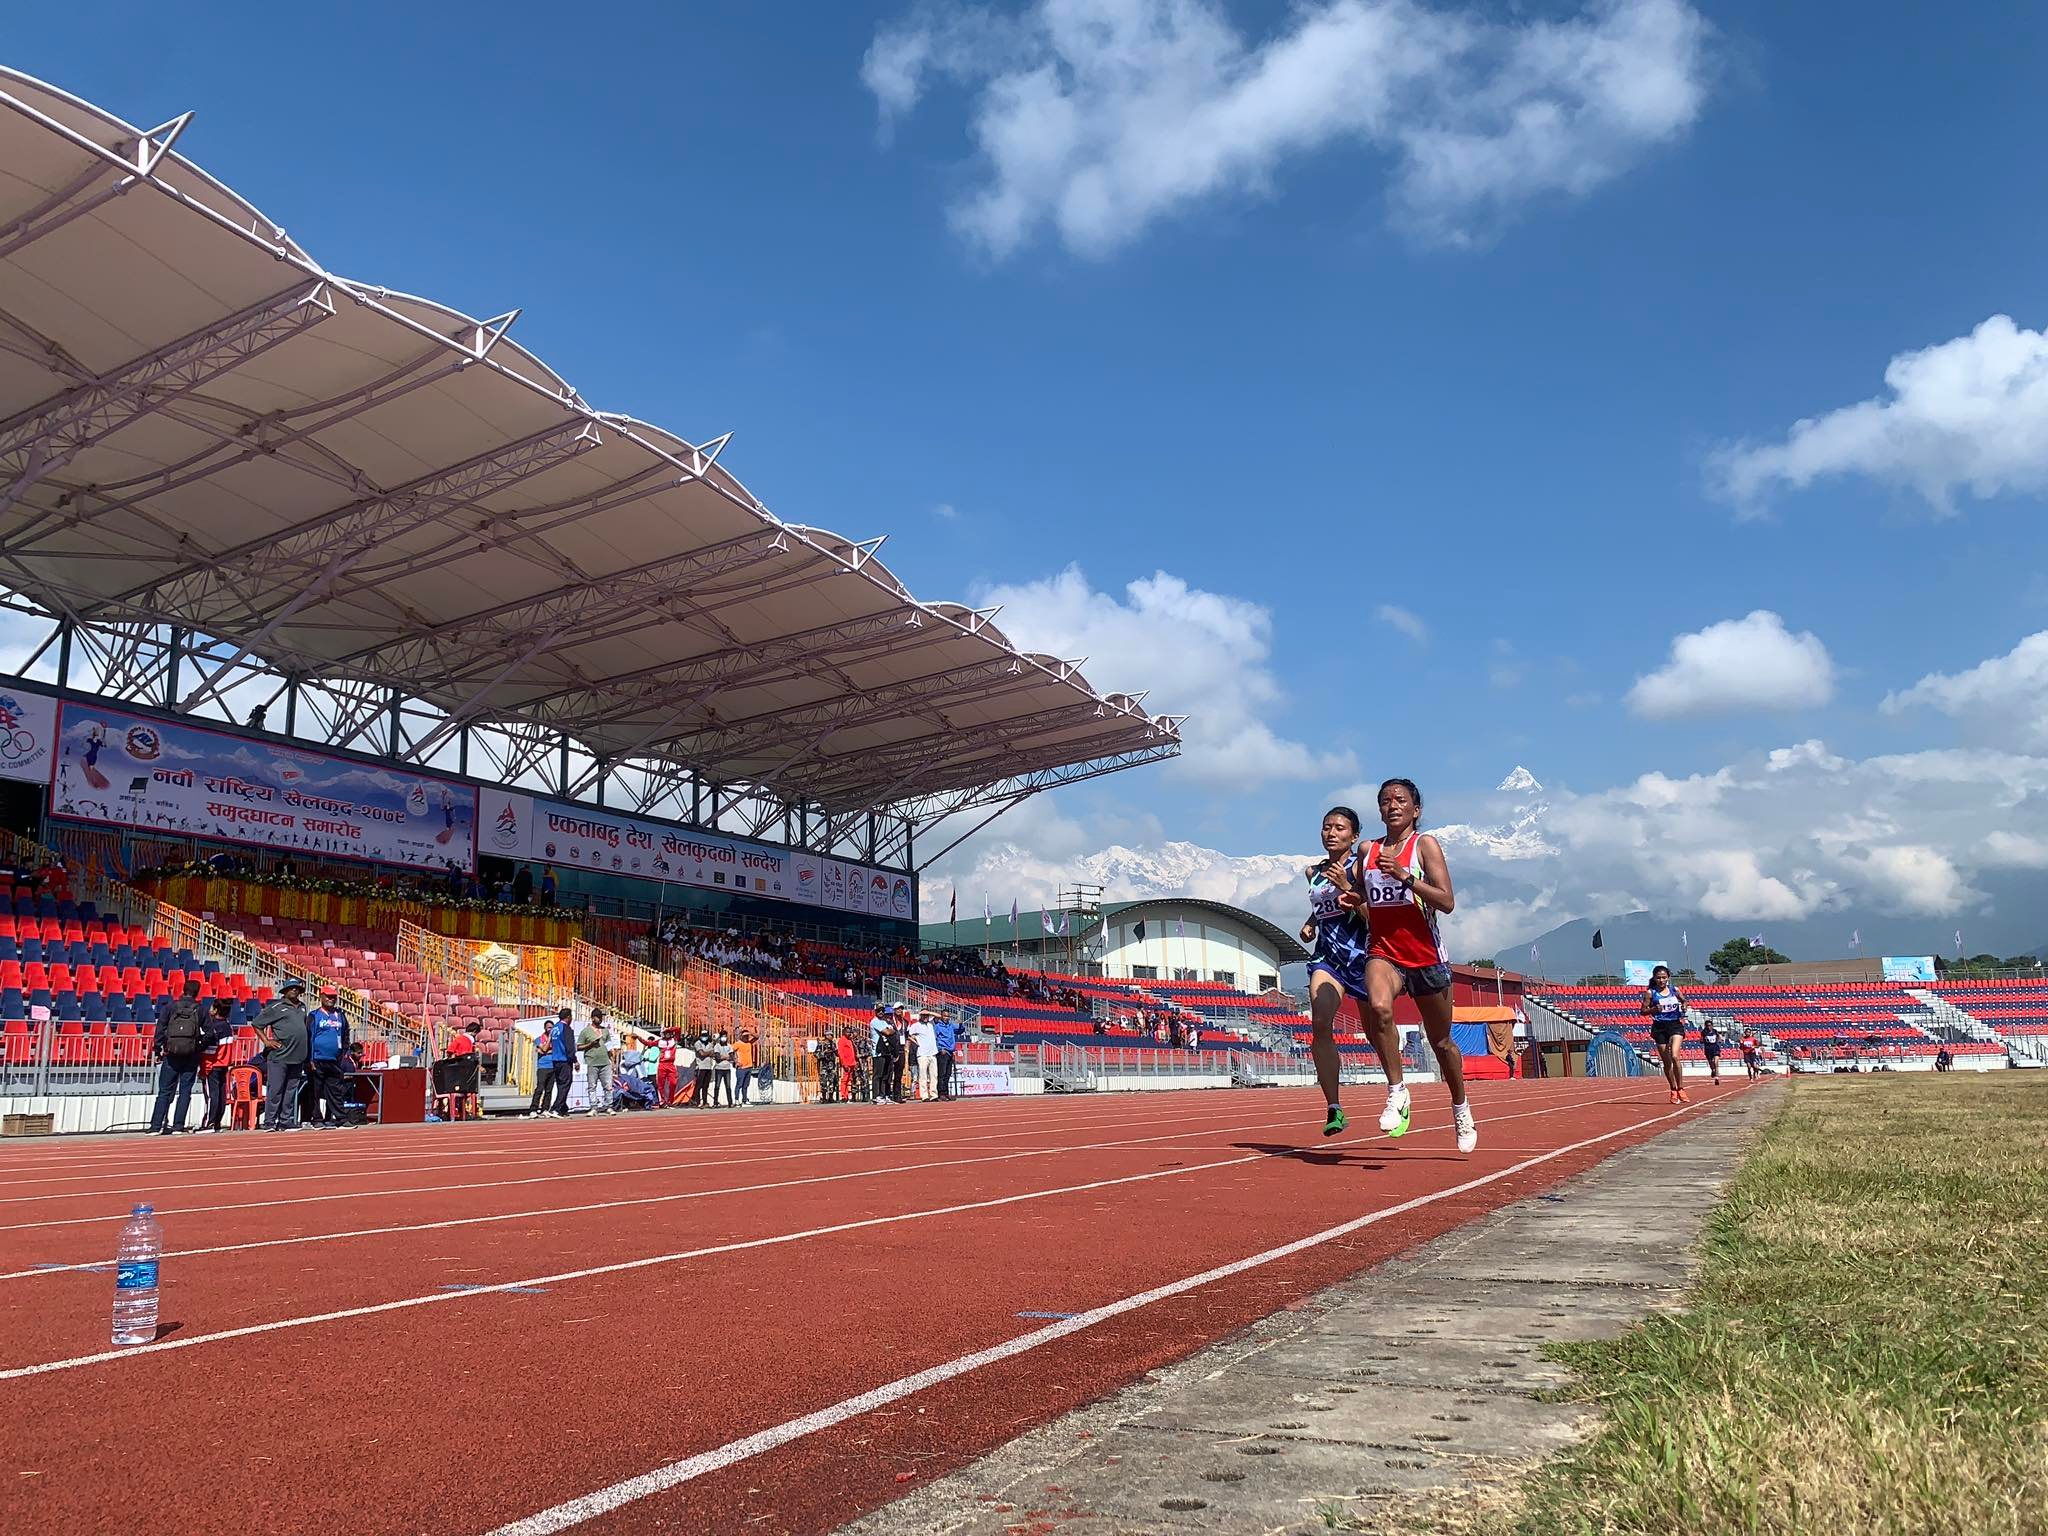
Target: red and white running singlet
1403 930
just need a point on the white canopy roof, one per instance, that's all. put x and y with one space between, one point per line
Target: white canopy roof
201 426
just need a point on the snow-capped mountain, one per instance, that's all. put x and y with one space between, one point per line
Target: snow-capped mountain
1266 883
1518 837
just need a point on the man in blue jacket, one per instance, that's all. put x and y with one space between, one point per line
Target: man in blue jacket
327 1058
554 1067
948 1036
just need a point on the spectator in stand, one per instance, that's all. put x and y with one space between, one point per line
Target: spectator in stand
326 1055
179 1047
849 1065
522 885
666 1085
945 1043
213 1066
707 1065
743 1056
594 1040
282 1028
925 1041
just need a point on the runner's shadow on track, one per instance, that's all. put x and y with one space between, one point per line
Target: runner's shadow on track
1321 1157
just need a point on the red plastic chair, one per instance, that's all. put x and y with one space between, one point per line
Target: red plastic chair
245 1098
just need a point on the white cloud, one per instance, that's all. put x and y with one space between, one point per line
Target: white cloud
1200 653
2006 697
1407 623
2015 850
945 511
1781 836
1970 413
1747 663
1096 118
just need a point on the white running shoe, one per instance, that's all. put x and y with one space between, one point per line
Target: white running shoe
1467 1128
1394 1118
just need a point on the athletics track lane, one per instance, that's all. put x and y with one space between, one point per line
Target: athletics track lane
443 1410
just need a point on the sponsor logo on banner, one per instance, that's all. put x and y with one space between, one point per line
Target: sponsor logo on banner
110 765
1637 972
28 734
1909 968
506 831
899 897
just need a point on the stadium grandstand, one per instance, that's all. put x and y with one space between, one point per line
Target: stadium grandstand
357 629
1804 1024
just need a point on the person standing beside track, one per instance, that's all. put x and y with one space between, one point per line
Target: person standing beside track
849 1066
1406 885
282 1028
1665 1009
594 1040
327 1059
1336 967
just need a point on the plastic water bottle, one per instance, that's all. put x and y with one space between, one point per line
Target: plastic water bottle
135 1278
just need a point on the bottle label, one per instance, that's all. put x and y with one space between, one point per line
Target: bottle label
135 1275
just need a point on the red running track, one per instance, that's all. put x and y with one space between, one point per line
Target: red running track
694 1322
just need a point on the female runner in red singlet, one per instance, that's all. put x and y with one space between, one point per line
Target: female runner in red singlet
1406 885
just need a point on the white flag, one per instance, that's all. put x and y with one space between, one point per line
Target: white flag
1180 927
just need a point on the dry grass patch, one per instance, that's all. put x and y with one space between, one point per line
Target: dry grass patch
1868 1348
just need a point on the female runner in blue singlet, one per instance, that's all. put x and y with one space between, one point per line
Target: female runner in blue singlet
1337 940
1665 1009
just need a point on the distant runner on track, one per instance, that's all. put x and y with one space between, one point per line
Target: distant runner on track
1407 885
1336 967
1665 1009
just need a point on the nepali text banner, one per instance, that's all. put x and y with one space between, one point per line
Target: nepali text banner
517 826
132 771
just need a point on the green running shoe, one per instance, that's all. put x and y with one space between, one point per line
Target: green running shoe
1336 1123
1394 1118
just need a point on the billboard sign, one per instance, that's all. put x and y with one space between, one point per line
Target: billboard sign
28 734
517 826
1909 968
1637 972
132 770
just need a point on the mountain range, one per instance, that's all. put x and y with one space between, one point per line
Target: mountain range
1516 903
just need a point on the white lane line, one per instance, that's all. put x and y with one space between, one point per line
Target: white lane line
590 1505
768 1153
581 1149
624 1266
513 1133
1132 1143
1135 1144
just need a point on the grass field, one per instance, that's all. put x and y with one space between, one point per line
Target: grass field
1868 1350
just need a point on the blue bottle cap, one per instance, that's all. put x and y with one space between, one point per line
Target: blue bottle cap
145 1210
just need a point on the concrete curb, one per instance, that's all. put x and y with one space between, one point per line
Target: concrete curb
1419 1376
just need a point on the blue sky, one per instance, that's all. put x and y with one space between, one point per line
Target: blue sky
1321 375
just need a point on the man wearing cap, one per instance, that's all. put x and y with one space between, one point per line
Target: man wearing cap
888 1061
327 1058
282 1027
594 1040
926 1039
